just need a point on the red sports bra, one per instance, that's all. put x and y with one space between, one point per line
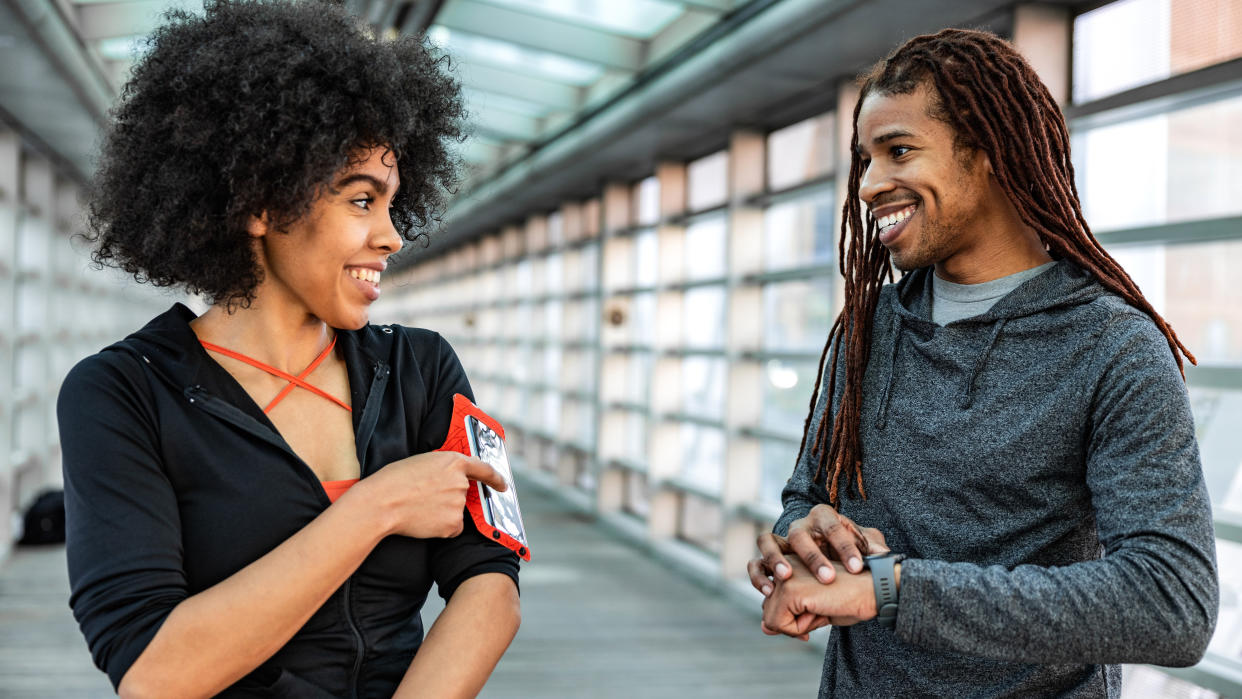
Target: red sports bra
334 489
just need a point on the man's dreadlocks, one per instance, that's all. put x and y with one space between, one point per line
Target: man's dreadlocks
994 101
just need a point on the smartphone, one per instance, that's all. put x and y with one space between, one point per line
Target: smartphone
501 510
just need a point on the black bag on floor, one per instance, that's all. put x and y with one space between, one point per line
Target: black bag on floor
44 521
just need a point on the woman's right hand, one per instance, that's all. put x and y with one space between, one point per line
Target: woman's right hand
424 495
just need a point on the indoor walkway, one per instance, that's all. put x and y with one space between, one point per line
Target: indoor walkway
600 619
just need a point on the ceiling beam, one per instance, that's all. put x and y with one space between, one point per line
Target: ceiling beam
419 17
479 150
558 96
544 34
507 125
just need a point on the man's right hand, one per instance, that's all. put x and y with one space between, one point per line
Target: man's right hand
425 494
822 535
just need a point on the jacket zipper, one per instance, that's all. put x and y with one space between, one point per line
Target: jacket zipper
349 619
230 414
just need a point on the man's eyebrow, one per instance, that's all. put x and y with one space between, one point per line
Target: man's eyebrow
379 185
887 136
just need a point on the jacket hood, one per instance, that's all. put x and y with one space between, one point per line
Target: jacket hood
1061 286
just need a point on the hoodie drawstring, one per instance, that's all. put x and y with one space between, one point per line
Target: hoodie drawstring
968 392
881 418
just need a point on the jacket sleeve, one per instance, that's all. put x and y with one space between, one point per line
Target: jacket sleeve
1152 597
470 553
802 492
123 533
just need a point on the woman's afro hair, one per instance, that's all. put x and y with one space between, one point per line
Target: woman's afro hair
252 108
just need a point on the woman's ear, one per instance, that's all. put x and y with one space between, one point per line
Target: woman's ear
257 226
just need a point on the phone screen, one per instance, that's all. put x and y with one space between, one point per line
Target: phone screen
501 510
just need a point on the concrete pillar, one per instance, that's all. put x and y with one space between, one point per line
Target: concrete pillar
1044 35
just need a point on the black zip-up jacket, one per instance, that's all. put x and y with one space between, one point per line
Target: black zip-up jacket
175 480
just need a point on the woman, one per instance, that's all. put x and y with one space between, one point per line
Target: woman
270 156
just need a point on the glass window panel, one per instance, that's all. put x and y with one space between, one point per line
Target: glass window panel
638 377
1195 288
702 383
796 315
786 392
642 319
581 422
1218 425
800 232
619 263
1190 160
554 271
646 258
551 365
1147 682
1227 639
704 317
708 181
778 465
637 499
1133 42
520 369
801 152
635 437
551 409
553 313
701 522
647 201
522 281
702 457
578 371
706 247
581 320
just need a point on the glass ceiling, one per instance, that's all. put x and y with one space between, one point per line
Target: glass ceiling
528 67
641 19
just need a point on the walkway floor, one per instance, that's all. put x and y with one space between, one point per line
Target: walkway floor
600 619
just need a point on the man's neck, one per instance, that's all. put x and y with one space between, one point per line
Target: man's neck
1002 245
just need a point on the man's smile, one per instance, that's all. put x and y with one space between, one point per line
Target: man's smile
891 225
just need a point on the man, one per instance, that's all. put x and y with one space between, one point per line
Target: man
1009 416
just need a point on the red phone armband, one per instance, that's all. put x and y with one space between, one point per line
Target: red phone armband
495 515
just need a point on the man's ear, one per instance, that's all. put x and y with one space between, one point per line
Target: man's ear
257 226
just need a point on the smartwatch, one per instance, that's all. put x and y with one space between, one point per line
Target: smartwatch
884 577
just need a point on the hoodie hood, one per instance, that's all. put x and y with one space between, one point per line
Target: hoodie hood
1061 286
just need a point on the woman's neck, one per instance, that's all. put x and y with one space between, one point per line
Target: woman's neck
286 341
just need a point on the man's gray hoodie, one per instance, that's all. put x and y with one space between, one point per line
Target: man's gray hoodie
1038 465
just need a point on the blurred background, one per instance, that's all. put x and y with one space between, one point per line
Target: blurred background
639 268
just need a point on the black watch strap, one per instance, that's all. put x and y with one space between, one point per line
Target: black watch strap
884 577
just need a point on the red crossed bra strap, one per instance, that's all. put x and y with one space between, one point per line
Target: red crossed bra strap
293 380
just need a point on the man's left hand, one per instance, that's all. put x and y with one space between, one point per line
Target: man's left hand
801 603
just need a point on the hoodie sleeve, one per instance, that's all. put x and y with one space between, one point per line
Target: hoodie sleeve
470 553
1152 597
123 531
